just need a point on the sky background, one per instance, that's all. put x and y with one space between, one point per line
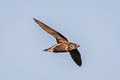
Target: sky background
94 24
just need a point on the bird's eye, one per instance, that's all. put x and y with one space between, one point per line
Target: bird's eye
71 46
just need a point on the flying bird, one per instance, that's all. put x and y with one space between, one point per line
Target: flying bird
63 45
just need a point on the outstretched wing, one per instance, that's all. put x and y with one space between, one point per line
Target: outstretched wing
76 57
59 37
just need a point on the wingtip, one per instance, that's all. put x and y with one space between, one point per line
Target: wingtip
35 19
79 65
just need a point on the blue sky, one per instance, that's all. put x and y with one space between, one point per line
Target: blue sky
94 24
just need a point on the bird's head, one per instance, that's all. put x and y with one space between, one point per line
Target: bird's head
73 46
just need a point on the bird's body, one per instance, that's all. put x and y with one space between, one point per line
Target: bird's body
60 47
63 45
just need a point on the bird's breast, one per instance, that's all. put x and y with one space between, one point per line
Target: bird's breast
62 47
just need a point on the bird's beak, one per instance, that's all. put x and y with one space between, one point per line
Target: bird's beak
78 45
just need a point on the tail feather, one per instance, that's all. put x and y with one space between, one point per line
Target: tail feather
45 50
48 50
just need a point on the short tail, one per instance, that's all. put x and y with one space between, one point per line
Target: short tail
48 50
45 50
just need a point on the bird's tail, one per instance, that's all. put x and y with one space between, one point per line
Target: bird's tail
45 50
48 50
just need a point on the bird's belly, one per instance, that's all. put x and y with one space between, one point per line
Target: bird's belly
60 48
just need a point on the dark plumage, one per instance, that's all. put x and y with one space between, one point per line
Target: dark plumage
63 45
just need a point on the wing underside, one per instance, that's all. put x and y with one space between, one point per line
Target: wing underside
59 37
76 57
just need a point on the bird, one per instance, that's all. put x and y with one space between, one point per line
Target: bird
63 45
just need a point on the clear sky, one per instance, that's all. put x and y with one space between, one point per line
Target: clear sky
94 24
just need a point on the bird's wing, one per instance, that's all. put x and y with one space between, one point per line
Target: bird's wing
76 57
59 37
